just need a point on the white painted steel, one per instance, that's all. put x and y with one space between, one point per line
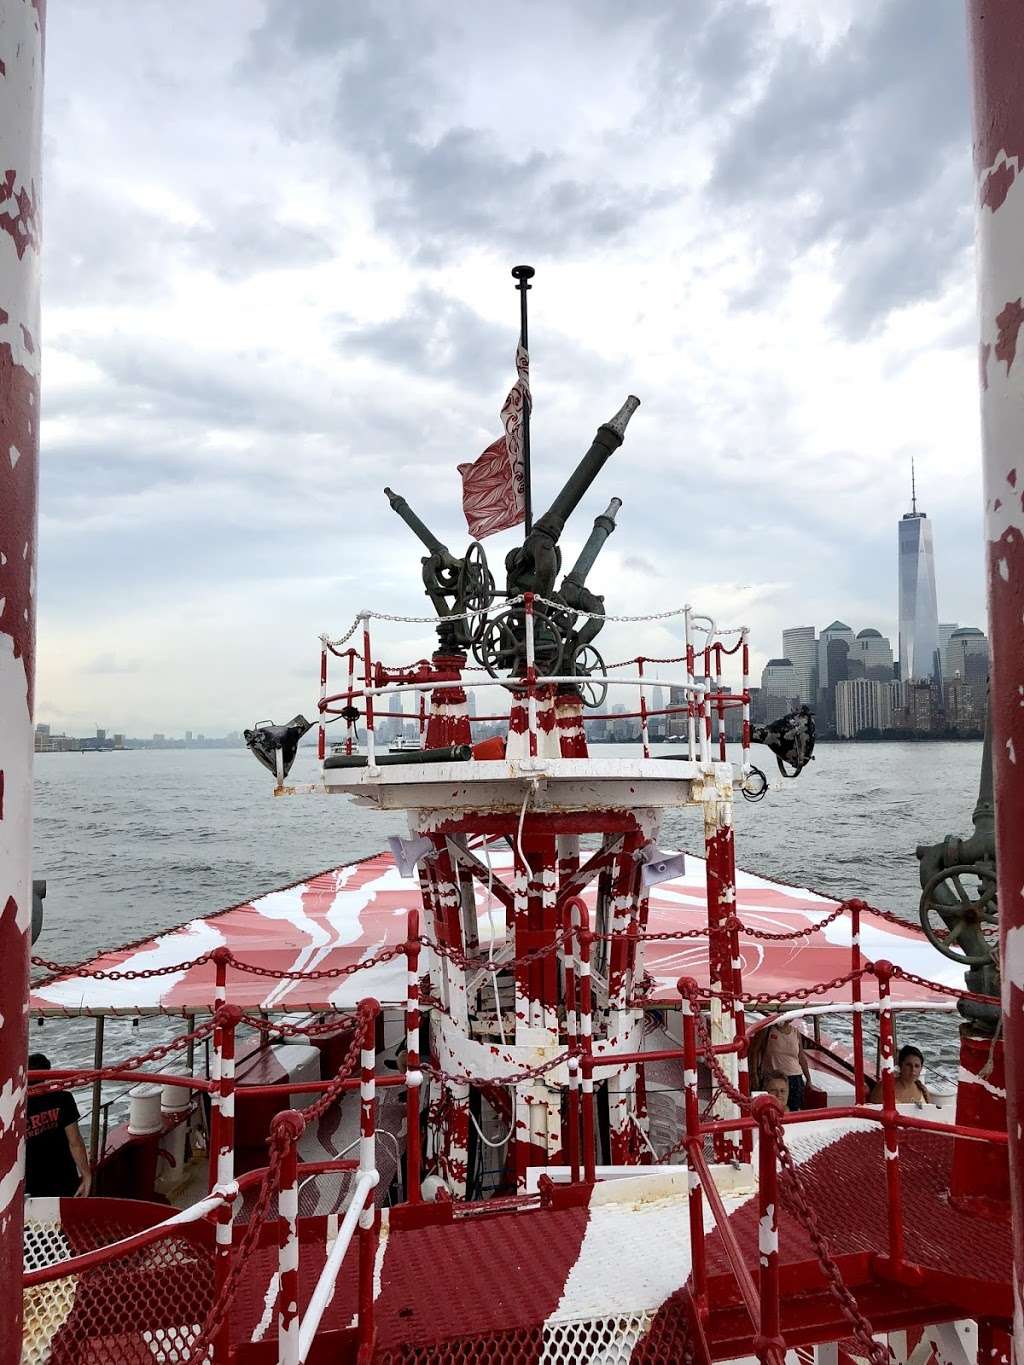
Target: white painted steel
324 1291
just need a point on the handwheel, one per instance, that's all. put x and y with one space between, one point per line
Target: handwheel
587 663
501 645
476 590
968 922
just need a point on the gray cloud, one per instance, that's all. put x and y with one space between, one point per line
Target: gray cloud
864 145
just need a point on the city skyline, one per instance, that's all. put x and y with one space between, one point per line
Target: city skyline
307 296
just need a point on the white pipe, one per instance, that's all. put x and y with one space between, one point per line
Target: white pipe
324 1291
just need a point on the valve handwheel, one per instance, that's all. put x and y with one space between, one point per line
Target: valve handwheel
476 590
501 645
959 913
587 663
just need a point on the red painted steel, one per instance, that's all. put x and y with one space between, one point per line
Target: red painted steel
769 1343
21 30
414 1077
980 1103
997 53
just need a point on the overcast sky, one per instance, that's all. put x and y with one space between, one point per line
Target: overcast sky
277 249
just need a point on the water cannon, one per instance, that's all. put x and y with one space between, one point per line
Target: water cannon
275 746
454 586
534 565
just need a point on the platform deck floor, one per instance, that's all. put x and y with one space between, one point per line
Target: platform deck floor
482 1276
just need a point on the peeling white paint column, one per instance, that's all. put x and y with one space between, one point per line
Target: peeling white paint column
21 89
997 58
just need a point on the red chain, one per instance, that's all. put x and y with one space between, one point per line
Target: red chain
57 971
944 990
327 974
242 1254
311 1030
107 1073
529 1074
791 1185
460 959
316 1110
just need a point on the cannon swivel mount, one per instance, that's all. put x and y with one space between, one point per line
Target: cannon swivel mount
454 586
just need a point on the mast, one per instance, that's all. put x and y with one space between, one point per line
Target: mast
21 89
522 274
997 51
913 489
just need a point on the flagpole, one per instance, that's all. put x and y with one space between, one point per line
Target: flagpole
523 274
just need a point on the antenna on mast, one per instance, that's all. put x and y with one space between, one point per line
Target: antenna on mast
913 489
522 274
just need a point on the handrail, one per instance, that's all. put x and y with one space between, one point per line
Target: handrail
77 1265
324 1290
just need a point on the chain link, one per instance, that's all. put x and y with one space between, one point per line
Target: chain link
57 971
792 1187
527 1074
107 1073
242 1254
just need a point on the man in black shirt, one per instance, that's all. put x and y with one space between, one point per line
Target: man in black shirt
56 1162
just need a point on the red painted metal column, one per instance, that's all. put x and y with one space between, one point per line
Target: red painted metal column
688 995
368 1227
413 1075
287 1128
769 1343
997 53
890 1114
21 93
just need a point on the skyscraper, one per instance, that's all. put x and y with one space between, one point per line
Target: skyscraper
800 646
919 617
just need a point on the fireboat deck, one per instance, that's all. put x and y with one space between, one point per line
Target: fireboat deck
547 1281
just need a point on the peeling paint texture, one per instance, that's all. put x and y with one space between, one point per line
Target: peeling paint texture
20 119
997 55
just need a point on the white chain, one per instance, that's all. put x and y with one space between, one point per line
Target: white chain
516 601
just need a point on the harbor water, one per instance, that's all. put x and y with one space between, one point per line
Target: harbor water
137 841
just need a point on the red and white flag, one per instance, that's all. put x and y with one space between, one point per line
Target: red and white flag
494 486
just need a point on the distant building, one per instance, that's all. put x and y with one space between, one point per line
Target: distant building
101 736
967 656
920 659
800 646
119 741
873 652
964 705
862 704
188 736
920 711
946 629
779 679
837 633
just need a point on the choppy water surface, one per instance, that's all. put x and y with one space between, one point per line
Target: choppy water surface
138 841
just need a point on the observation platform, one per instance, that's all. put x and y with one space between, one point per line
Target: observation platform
557 1283
554 784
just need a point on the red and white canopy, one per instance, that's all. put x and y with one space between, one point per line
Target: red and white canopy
350 913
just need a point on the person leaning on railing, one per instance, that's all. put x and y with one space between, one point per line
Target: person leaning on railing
56 1162
910 1089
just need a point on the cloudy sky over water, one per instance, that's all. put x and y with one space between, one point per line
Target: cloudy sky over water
278 241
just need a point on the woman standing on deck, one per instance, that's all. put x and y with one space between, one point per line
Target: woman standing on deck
783 1051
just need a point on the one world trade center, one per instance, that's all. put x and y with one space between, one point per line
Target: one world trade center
919 617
